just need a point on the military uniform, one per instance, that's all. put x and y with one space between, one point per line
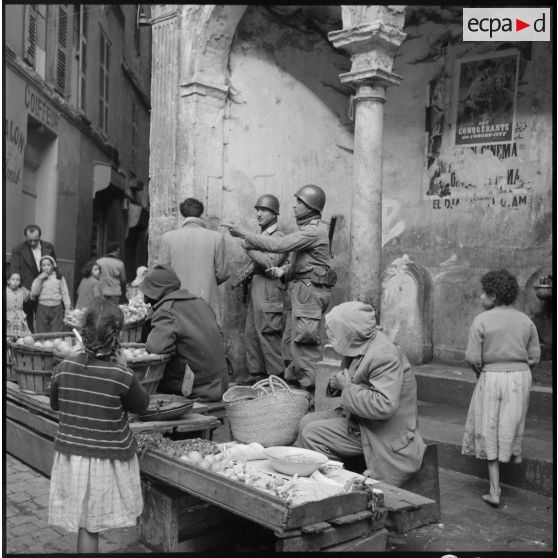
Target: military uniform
310 290
264 319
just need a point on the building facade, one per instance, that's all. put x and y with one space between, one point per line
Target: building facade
374 104
77 108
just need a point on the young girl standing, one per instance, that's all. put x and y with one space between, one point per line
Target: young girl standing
503 346
95 480
16 320
54 298
90 287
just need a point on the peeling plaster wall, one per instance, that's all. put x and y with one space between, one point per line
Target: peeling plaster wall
286 125
459 236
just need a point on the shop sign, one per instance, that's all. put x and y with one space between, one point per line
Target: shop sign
40 109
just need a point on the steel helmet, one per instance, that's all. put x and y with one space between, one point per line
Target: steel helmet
313 196
268 201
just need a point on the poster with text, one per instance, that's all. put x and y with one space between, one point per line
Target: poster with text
486 98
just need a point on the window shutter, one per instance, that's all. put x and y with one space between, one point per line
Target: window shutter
62 50
30 33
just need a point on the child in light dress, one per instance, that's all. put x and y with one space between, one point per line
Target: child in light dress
51 290
503 346
95 480
16 320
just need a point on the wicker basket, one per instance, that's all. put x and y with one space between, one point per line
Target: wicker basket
131 333
149 371
10 372
272 419
33 365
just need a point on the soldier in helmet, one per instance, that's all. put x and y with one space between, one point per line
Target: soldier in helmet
310 277
264 317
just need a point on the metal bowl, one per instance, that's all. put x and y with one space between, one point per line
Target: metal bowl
166 407
291 460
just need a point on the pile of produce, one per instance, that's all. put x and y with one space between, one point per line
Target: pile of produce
135 311
232 462
57 344
139 353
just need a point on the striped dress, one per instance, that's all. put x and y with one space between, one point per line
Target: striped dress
95 481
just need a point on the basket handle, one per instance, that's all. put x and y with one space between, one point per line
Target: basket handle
268 382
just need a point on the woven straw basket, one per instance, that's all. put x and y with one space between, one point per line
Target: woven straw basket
148 371
272 418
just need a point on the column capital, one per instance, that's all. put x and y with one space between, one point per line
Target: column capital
372 47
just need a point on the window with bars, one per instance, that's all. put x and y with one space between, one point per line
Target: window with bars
104 82
135 117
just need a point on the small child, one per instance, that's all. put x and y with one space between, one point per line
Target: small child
54 298
503 346
95 480
16 320
90 287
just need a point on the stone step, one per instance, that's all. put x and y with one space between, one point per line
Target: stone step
445 424
444 396
454 385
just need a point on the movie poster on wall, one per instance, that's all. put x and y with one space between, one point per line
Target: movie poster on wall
487 91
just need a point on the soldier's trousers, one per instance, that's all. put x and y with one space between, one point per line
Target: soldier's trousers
302 344
264 326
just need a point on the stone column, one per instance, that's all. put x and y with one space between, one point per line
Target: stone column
371 34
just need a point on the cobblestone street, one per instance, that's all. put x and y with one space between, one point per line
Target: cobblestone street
467 524
26 527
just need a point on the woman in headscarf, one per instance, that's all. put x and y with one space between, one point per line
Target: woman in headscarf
185 326
377 414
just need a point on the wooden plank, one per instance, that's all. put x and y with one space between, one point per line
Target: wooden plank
346 528
37 403
265 509
31 448
408 519
375 542
38 423
323 510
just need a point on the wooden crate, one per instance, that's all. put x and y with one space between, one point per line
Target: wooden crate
131 333
8 364
175 521
257 506
33 365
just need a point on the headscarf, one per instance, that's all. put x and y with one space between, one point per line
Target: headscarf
350 327
50 258
140 274
159 282
101 329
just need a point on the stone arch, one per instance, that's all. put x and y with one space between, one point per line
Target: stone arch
208 40
407 308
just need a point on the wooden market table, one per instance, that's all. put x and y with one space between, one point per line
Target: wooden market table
31 426
184 505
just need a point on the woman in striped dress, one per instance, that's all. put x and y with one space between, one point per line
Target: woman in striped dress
95 481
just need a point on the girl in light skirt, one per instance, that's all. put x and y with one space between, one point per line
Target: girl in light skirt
503 346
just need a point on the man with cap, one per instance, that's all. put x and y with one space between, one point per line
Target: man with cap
310 277
184 326
264 317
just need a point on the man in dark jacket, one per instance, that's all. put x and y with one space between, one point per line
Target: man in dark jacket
185 326
25 261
